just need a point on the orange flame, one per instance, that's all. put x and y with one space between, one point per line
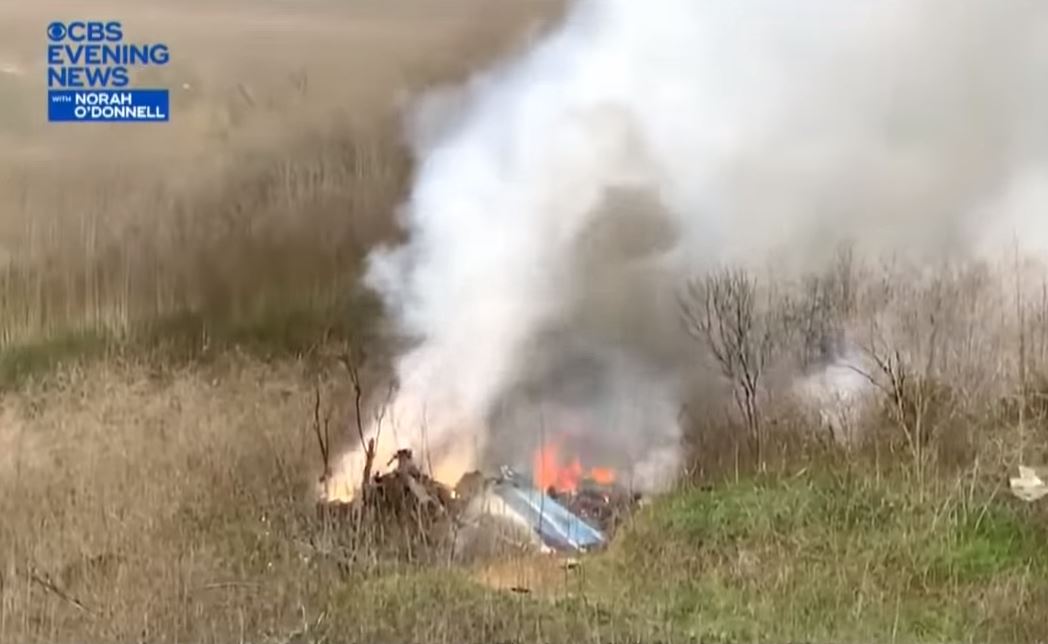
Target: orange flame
551 470
602 475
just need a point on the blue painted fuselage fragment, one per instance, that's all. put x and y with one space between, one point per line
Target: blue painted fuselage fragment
557 526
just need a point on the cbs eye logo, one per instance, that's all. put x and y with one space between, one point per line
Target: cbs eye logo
85 31
56 31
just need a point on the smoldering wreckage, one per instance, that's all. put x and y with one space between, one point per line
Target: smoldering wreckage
558 508
504 266
487 515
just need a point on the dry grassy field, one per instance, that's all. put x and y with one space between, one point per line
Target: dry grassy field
282 162
144 503
173 301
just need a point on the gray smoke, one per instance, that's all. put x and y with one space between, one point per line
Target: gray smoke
561 197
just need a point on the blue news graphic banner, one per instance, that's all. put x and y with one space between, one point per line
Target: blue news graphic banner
107 105
89 75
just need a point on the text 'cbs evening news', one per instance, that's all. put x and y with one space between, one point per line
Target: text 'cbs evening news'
90 72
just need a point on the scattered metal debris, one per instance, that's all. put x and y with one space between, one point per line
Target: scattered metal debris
513 499
603 506
490 514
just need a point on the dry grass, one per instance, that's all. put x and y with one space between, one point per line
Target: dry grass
136 492
150 502
147 503
282 164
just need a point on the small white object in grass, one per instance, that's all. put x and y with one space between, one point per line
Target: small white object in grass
1029 486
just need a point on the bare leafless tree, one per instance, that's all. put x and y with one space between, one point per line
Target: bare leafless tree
353 359
725 312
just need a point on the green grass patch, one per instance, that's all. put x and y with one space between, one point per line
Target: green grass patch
833 557
17 363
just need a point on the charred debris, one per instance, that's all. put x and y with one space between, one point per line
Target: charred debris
484 513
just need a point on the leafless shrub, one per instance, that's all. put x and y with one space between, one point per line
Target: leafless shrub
322 430
939 348
918 405
933 343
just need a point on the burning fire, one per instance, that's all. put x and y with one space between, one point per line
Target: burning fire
551 469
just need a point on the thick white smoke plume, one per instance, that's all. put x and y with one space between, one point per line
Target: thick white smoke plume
562 196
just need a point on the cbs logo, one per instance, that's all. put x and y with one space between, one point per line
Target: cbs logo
85 31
